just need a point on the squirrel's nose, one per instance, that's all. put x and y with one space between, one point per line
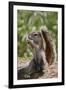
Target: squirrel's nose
29 37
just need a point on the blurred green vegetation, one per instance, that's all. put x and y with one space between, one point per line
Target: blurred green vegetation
28 21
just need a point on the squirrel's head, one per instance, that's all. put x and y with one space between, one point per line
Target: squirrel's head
34 39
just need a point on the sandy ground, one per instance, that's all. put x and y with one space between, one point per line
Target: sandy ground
51 72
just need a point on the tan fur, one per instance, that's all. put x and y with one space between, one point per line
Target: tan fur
50 46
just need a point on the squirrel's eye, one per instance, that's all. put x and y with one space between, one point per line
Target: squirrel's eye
35 34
